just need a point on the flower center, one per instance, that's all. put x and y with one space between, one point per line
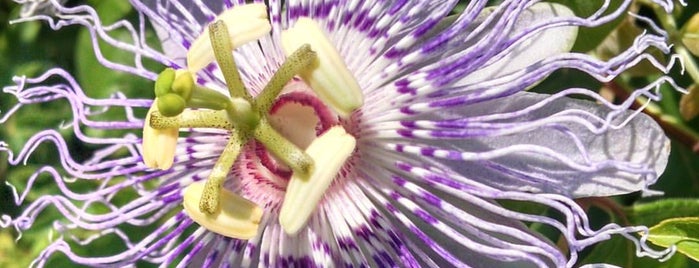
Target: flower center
288 132
299 115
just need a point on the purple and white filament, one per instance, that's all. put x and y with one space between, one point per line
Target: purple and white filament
447 129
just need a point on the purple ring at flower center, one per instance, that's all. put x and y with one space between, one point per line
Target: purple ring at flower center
300 117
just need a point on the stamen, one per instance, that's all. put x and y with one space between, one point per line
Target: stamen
221 43
245 23
328 75
297 61
192 119
158 144
237 217
211 195
329 151
290 154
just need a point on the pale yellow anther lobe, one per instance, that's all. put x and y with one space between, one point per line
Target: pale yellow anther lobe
245 23
236 217
330 151
328 75
158 144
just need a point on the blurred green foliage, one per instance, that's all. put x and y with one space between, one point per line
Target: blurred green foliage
29 49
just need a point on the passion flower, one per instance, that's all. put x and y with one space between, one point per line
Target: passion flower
346 133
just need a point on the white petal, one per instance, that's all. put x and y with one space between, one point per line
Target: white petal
640 144
532 49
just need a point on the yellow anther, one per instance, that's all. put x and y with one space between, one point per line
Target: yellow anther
158 144
329 151
328 75
236 217
245 23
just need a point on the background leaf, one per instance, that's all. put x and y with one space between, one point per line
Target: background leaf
592 36
652 213
681 232
97 80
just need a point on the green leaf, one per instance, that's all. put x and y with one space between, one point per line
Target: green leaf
680 176
30 32
622 39
677 261
592 36
566 78
98 80
617 251
621 252
111 11
649 214
681 232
